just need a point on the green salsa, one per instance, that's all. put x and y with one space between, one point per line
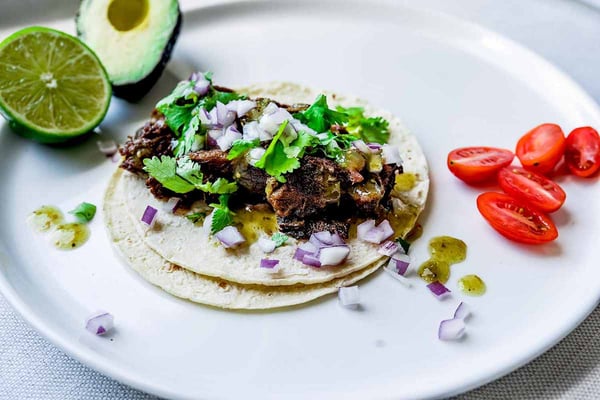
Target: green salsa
445 251
472 285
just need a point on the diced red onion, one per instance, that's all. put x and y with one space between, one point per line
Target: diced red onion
368 232
391 154
100 322
388 248
230 237
270 108
270 122
171 204
336 239
256 154
349 296
323 237
268 263
149 216
299 126
311 260
361 146
266 245
374 147
333 255
399 262
394 274
202 85
462 311
304 249
226 141
451 329
241 107
107 147
214 118
207 225
204 117
438 289
251 130
365 227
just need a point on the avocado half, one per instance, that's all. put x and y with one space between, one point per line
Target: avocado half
133 39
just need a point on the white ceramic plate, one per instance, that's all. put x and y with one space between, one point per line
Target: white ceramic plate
454 84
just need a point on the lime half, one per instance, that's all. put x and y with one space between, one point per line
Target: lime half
52 86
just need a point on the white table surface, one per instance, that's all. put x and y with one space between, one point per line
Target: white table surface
566 32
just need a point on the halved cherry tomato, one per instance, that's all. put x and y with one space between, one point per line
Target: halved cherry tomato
541 148
583 151
478 164
515 220
534 189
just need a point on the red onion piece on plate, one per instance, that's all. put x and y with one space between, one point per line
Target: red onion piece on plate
99 323
149 216
230 237
463 311
399 262
349 296
394 274
438 289
451 329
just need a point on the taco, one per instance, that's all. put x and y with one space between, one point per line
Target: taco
267 174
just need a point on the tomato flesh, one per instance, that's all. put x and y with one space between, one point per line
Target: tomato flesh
534 189
515 220
582 153
541 148
478 164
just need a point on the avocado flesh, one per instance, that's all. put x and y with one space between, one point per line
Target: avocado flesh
134 40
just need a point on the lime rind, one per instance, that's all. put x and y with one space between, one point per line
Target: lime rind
24 90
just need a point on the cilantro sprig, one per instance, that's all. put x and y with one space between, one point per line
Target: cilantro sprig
320 117
184 175
182 110
222 216
369 129
284 152
240 147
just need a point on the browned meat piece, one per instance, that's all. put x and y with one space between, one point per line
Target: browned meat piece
213 162
251 178
186 200
153 139
309 189
367 196
303 228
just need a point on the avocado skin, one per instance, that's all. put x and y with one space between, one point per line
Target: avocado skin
134 92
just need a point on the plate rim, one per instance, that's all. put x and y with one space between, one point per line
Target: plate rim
33 319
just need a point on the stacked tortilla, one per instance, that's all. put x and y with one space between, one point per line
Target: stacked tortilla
176 255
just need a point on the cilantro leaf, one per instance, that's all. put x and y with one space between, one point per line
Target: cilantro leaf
275 161
320 117
297 148
370 129
240 147
279 239
164 170
220 186
222 216
184 175
84 212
